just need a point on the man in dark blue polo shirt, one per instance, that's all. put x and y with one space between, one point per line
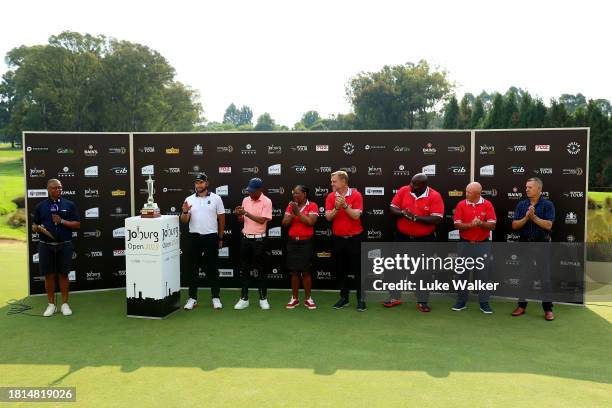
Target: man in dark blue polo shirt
533 218
54 220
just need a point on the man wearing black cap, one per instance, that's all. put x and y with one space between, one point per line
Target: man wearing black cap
205 214
255 212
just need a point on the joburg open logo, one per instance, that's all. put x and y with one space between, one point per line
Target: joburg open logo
273 149
374 171
487 149
37 172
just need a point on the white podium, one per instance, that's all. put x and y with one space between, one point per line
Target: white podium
152 266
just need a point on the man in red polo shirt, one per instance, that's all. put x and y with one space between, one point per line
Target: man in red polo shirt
418 208
475 219
343 208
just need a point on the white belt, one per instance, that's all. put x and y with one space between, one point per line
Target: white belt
254 235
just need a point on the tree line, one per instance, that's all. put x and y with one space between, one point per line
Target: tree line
80 82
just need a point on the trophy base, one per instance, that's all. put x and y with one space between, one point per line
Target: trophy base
150 213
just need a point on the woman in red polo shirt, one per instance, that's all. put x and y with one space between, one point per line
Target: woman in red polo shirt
300 217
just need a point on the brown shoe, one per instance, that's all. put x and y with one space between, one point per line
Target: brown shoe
548 315
422 307
518 311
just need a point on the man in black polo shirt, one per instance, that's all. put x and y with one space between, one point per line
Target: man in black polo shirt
54 220
533 218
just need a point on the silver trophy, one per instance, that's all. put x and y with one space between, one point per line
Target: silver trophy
150 209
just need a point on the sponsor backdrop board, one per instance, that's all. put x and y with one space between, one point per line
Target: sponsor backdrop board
95 172
378 163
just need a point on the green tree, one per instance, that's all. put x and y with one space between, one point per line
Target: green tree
265 123
465 110
238 117
81 82
245 117
397 97
573 102
451 114
231 115
496 117
478 115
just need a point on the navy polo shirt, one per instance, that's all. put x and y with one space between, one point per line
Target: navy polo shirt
544 209
43 216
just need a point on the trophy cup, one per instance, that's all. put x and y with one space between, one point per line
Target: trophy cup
150 209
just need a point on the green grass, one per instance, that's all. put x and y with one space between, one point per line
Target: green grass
325 357
599 221
11 186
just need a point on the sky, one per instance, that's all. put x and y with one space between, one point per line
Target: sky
289 57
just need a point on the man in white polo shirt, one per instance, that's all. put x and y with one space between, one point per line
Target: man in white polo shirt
205 214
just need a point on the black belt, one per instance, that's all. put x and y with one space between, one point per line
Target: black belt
55 243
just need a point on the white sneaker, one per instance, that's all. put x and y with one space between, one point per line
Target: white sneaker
191 303
263 303
217 303
242 304
50 310
66 311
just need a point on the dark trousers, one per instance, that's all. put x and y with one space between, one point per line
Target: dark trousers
474 250
422 296
346 252
253 259
209 245
537 265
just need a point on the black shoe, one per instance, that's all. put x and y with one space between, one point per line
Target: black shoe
342 302
361 306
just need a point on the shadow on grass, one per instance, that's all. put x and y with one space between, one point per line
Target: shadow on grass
576 345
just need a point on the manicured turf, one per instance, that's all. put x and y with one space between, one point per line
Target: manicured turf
315 358
11 186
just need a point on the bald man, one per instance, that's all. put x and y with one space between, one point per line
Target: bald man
418 209
475 219
54 220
